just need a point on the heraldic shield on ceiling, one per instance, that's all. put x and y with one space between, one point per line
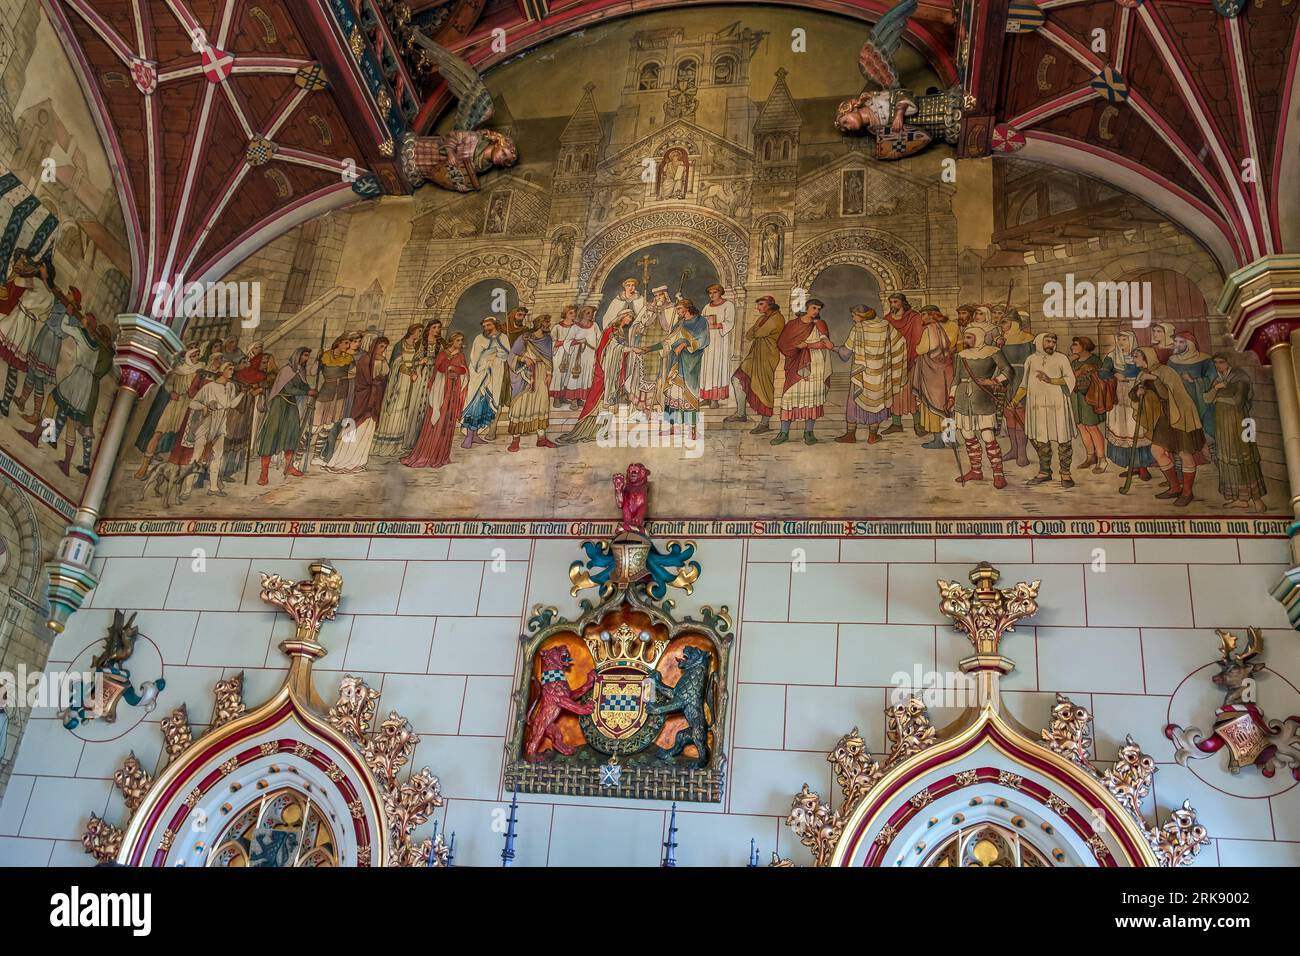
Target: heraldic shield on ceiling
626 701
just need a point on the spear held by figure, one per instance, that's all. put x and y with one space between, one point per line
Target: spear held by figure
309 408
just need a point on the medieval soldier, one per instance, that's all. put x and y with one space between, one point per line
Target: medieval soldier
43 360
975 396
27 300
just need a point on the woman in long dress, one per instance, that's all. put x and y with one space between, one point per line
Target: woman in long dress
1241 481
431 343
443 407
1124 446
390 433
352 451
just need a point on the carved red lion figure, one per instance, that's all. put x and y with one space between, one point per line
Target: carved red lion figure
554 697
632 493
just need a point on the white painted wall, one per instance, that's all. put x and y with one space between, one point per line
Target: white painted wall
435 628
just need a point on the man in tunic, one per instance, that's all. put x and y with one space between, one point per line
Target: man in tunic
583 342
1090 399
932 373
628 298
805 371
715 376
755 378
210 408
174 395
76 396
1197 371
43 360
975 394
1017 346
27 300
530 364
1049 414
1167 413
487 367
908 323
515 325
1241 481
283 424
878 356
563 346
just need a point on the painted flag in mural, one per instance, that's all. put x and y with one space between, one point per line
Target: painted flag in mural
28 225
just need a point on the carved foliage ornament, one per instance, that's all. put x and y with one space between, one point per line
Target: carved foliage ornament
407 804
818 827
984 612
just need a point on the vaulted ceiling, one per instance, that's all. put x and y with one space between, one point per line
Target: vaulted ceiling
1172 94
230 121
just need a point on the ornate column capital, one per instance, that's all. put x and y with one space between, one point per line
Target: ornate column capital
1262 303
144 352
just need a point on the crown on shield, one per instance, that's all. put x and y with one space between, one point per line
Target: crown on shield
626 647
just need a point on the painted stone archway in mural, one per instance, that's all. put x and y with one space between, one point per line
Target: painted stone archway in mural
720 239
444 290
897 267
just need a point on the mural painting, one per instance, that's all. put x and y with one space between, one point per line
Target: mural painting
693 262
63 264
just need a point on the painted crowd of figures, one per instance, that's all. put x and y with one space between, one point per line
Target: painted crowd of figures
61 355
1162 408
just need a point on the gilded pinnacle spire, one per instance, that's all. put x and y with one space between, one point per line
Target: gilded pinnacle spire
984 613
310 603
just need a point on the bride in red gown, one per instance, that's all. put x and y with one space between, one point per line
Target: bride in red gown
446 402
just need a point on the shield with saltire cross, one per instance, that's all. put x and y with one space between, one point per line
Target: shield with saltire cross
217 64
